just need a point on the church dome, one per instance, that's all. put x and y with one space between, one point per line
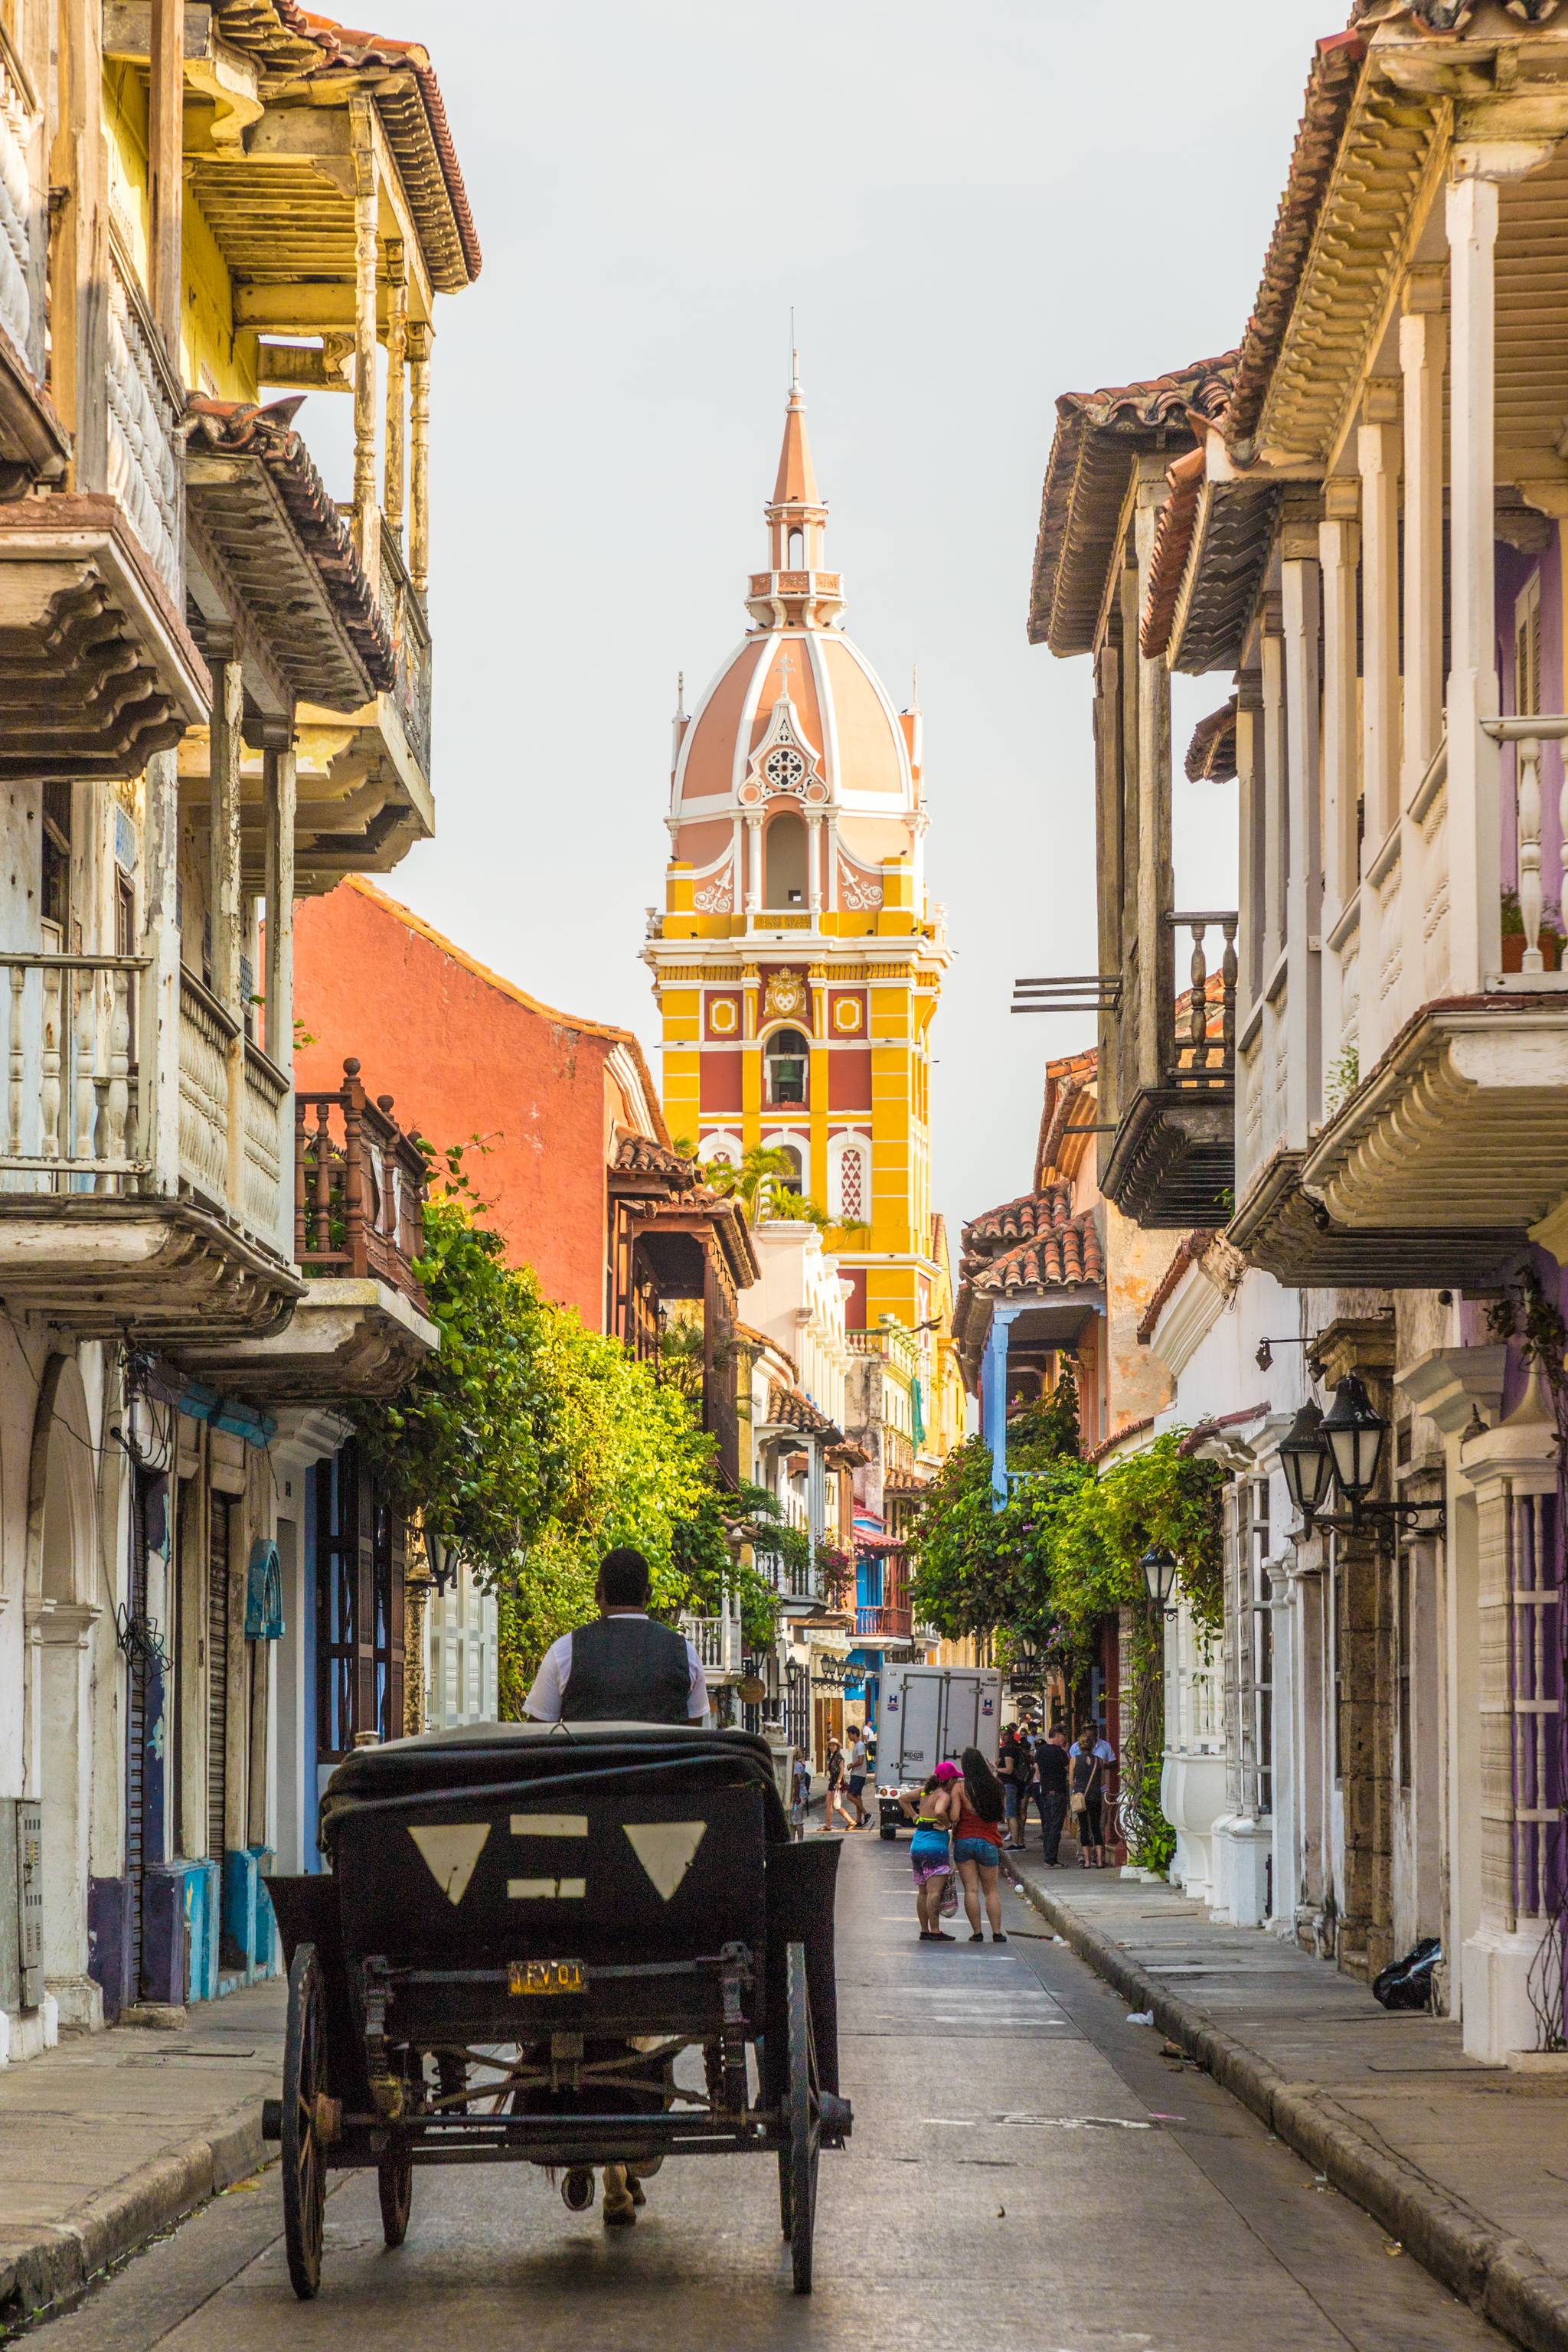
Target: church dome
796 713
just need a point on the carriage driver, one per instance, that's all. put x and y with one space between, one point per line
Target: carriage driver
623 1668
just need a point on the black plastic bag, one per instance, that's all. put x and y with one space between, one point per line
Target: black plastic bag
1408 1983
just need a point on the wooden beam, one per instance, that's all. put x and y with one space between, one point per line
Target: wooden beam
394 475
419 340
296 367
79 251
165 123
366 237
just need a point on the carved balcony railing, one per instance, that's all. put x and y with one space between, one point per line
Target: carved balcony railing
1172 1162
71 1122
146 462
884 1622
717 1641
1200 1045
135 1192
359 1188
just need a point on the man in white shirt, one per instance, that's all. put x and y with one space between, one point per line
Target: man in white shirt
624 1667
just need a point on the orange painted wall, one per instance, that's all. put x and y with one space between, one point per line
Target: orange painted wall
464 1053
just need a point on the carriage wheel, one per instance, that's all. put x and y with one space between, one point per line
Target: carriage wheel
304 2163
394 2179
802 2109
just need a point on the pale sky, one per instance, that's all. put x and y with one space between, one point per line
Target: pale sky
972 209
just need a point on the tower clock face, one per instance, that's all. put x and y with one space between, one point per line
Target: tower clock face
785 770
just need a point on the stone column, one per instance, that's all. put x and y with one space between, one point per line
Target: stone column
1339 543
994 1397
1250 930
1303 878
1474 825
225 913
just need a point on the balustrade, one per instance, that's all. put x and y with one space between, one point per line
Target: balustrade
206 1035
404 615
71 1123
717 1641
359 1188
1199 1051
21 218
146 468
1527 734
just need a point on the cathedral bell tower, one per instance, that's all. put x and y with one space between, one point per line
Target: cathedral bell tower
797 962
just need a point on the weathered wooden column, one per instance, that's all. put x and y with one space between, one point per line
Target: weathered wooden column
165 167
1154 886
225 912
157 1026
393 469
1250 929
419 340
280 792
361 144
1276 806
1303 878
1338 543
1421 340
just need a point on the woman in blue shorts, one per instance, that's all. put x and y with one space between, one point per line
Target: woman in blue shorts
931 1854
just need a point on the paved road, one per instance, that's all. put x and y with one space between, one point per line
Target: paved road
1027 2169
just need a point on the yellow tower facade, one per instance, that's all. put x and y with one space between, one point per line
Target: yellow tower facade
799 961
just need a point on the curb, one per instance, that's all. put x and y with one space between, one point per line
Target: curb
44 2272
1501 2277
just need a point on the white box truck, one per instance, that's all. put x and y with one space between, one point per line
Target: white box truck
929 1715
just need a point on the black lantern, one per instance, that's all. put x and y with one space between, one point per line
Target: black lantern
1355 1432
1159 1567
1307 1462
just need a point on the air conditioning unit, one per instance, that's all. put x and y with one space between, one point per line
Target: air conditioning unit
30 1901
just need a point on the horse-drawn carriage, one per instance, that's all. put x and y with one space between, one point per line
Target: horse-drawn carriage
524 1931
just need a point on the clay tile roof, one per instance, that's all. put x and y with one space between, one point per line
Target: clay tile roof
1066 1257
1097 435
1119 1437
792 1409
1211 754
420 137
1331 87
1068 1080
1030 1216
276 33
237 429
1452 16
1168 556
639 1155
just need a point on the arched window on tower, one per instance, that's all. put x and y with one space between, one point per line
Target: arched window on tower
785 860
787 1062
796 558
791 1178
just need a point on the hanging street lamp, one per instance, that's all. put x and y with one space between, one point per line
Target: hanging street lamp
1159 1567
1343 1449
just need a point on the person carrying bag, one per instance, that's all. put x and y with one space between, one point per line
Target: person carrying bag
1087 1800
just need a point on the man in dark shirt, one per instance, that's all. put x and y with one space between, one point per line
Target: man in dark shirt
1051 1762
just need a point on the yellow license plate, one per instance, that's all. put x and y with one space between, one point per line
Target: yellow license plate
545 1976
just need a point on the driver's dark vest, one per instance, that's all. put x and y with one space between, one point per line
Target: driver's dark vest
628 1670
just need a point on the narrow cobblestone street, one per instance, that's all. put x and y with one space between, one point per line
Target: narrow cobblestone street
1026 2167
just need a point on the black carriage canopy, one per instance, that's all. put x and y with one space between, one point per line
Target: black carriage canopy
495 1761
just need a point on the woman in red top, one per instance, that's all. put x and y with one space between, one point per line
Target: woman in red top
976 1844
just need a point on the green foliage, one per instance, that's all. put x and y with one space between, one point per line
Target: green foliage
1046 1429
764 1185
1061 1556
529 1445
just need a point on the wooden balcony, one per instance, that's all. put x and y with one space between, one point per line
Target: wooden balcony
360 1328
140 1189
97 670
1172 1160
883 1623
364 778
718 1642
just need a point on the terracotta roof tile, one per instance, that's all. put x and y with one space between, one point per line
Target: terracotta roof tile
1331 87
1066 1257
1168 556
639 1155
1030 1216
420 138
1097 435
1452 16
1211 754
1069 1079
793 1409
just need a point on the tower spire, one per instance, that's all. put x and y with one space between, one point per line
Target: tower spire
795 590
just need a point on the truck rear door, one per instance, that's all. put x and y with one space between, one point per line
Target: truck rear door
919 1749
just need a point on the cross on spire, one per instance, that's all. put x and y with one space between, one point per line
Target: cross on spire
784 667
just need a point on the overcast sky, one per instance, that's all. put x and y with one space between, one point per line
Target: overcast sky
972 209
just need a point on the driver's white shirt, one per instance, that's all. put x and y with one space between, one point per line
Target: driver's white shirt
544 1701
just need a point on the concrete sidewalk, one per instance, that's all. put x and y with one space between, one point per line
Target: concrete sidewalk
1464 2165
111 2137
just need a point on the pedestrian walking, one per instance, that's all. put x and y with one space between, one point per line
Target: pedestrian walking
832 1800
976 1845
799 1793
1051 1765
1007 1773
1028 1781
858 1766
933 1812
1089 1753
